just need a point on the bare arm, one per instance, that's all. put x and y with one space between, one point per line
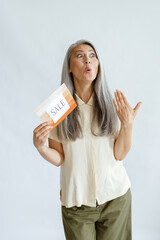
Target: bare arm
122 143
54 153
126 114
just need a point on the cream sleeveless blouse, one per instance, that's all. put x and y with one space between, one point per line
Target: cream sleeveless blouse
90 171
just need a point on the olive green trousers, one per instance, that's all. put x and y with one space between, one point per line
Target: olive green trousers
108 221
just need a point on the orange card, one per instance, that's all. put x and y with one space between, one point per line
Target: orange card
57 106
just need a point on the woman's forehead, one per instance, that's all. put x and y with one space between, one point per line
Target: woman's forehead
83 47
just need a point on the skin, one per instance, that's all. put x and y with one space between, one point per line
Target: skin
126 114
124 111
84 56
41 133
54 153
84 87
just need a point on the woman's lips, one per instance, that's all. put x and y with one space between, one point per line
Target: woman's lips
88 69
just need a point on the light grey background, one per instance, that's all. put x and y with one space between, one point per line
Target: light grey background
34 38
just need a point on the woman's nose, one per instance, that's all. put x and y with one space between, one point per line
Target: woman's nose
87 60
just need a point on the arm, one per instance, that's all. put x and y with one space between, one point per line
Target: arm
126 114
54 153
122 143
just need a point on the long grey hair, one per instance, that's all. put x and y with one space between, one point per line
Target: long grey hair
104 111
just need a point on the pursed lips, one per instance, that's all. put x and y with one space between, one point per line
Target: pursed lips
88 69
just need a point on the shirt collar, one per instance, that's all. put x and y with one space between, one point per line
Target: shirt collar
80 101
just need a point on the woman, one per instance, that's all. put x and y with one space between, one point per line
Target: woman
89 145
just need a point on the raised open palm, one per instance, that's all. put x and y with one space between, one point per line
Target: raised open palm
124 111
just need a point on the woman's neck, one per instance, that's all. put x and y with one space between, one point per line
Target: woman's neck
84 93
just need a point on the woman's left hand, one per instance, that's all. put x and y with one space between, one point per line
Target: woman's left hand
124 111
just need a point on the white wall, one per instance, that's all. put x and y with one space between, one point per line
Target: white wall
34 37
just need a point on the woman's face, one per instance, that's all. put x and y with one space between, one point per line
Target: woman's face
83 57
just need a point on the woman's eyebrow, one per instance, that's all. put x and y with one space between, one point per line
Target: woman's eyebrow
82 50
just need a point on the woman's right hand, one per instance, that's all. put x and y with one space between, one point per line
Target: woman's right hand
41 133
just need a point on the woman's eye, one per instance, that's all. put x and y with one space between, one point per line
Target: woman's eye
93 54
79 55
